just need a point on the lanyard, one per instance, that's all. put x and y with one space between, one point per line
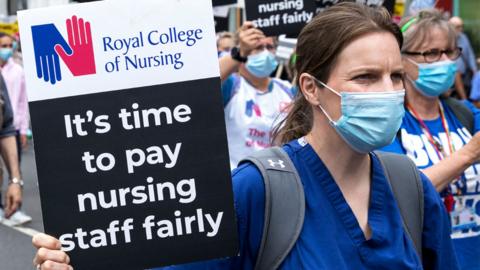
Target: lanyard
448 201
439 149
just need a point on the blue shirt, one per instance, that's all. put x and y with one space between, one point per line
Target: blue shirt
331 237
465 216
475 91
467 60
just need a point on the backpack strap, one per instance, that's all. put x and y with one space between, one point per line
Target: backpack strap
462 112
284 206
404 179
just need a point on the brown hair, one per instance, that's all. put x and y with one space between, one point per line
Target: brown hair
222 35
319 44
420 28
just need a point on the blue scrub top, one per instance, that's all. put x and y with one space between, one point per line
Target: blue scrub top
331 237
465 216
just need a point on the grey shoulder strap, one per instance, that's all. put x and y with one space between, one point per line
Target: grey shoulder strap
407 187
462 112
284 206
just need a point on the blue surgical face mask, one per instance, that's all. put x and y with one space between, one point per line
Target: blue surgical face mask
436 78
262 64
5 53
370 120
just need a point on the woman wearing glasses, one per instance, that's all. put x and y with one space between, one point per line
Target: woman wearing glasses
436 132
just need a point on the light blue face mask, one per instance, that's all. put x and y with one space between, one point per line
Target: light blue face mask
5 53
436 78
261 65
370 120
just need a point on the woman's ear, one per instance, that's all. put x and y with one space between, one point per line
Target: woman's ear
309 88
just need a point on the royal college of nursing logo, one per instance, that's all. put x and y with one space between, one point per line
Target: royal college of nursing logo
50 46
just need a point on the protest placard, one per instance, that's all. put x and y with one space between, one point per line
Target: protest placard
324 4
129 131
285 48
388 4
221 24
276 17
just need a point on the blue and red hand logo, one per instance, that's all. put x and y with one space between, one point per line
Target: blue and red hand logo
50 46
252 107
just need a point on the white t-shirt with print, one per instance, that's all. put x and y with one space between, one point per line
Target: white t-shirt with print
251 114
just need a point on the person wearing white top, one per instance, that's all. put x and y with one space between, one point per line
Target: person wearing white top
254 102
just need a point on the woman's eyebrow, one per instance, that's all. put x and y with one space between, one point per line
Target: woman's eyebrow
398 70
360 70
373 69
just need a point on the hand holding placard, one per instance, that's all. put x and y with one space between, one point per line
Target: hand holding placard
51 255
140 173
45 38
80 60
250 38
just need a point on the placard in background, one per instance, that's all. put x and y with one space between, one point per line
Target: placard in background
276 17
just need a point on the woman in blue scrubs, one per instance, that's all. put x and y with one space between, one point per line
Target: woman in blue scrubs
351 103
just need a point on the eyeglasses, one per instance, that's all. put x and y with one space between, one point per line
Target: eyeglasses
435 54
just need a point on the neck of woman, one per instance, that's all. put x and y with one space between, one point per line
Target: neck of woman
348 167
427 108
261 84
350 170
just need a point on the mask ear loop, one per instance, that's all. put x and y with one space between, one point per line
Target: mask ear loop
326 114
412 81
320 106
411 61
324 85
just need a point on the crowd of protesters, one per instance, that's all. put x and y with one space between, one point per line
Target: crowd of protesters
411 89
